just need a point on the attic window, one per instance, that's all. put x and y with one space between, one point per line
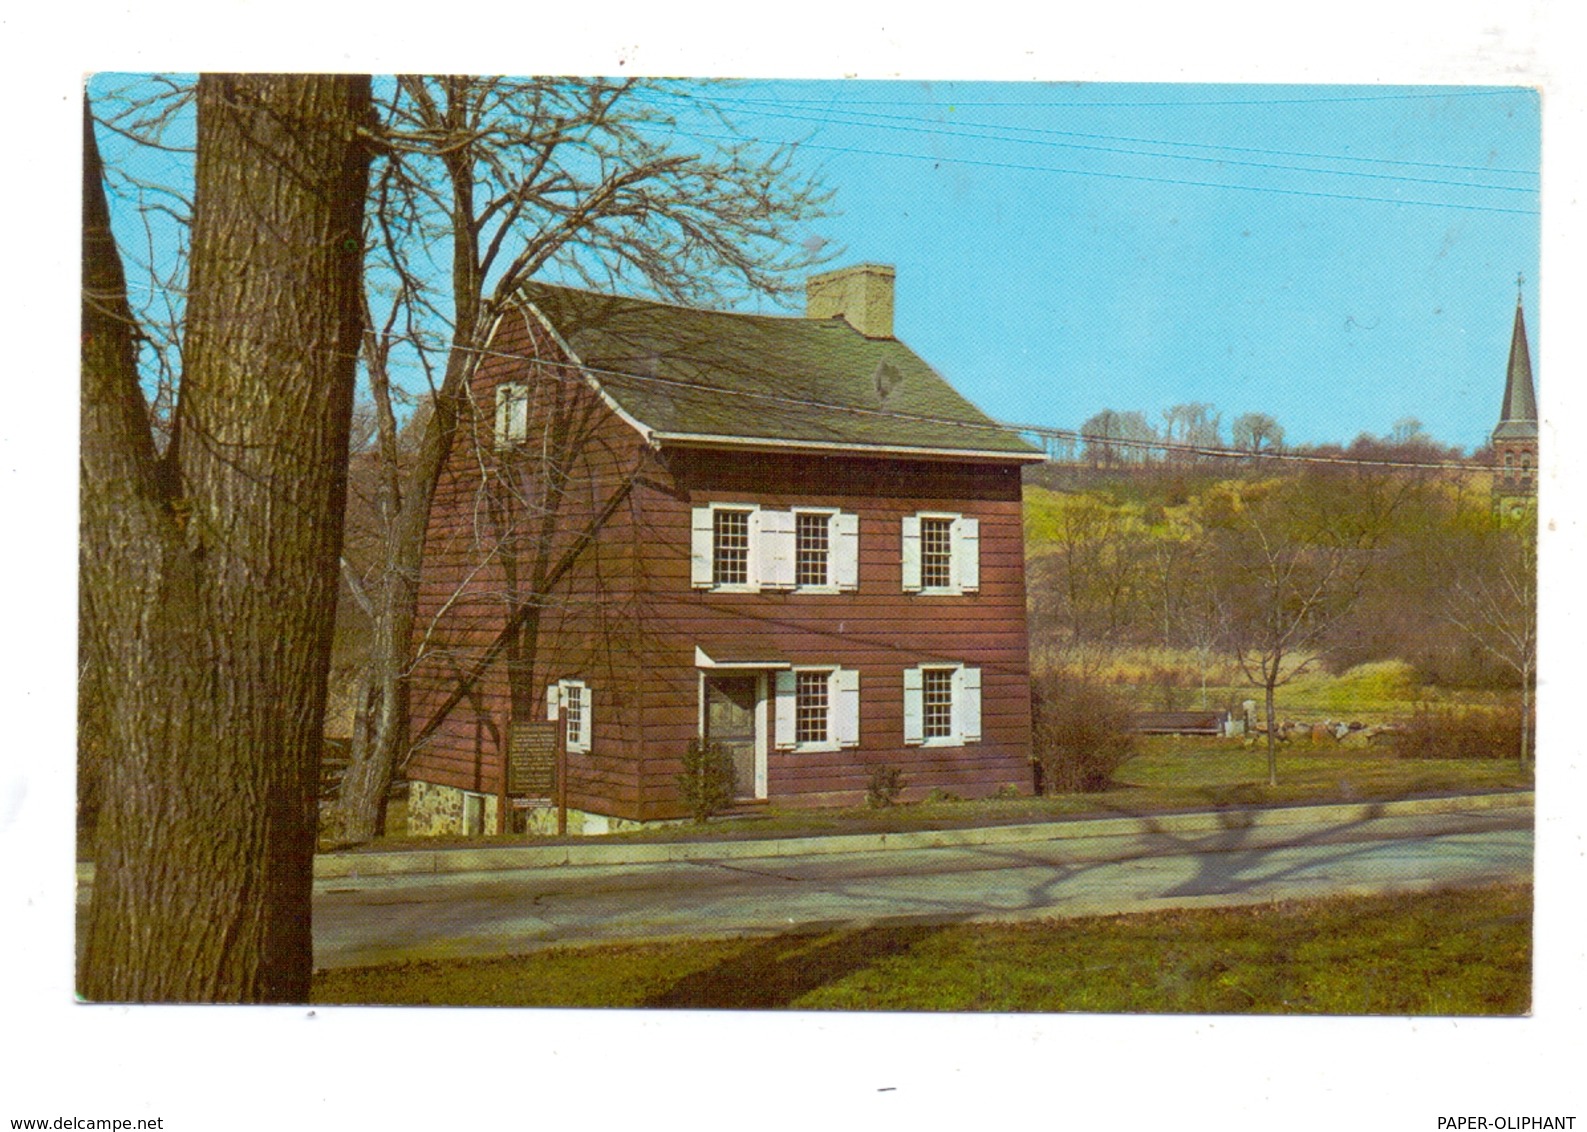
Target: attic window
512 414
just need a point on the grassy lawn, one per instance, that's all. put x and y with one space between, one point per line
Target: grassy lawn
1168 775
1458 952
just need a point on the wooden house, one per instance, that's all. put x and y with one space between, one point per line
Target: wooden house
788 535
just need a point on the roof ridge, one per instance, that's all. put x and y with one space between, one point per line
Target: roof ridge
670 304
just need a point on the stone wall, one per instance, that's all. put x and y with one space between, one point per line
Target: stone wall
437 811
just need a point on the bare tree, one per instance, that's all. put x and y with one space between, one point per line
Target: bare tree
209 570
1257 432
504 178
1406 430
1194 425
1288 562
1112 437
1491 597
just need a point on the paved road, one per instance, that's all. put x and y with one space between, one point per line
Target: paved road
376 920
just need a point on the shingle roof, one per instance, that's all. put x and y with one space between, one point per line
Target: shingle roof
696 376
1518 414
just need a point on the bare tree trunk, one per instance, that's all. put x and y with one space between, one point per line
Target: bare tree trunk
210 573
380 745
1526 717
1272 739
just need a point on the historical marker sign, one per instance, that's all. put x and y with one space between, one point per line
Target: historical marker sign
532 760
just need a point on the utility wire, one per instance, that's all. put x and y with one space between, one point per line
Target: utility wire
1444 93
1314 193
990 424
967 130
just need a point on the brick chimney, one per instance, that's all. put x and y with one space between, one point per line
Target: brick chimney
861 295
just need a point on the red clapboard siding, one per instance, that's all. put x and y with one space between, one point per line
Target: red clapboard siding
626 620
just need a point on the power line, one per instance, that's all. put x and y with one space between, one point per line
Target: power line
1491 169
989 425
1314 193
955 130
1442 93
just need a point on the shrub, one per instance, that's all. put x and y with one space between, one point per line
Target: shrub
1080 732
1461 733
708 782
887 782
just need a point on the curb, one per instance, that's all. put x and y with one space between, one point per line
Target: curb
439 862
444 861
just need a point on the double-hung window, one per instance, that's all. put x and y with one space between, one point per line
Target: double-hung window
942 705
746 548
813 548
936 553
568 701
817 708
730 543
936 702
941 553
812 702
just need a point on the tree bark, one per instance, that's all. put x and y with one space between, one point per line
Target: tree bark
210 572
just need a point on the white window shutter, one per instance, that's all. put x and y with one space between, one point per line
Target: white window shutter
553 700
967 554
967 704
776 544
844 695
783 703
845 553
700 550
911 552
914 706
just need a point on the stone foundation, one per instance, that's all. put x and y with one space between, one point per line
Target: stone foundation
438 811
542 819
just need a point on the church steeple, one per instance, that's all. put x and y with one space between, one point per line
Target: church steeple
1515 438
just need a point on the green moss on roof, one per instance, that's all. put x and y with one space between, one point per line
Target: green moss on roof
765 378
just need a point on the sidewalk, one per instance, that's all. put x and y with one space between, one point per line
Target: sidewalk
419 862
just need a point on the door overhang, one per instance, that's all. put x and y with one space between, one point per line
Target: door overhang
702 660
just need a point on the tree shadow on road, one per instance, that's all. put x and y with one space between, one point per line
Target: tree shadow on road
775 973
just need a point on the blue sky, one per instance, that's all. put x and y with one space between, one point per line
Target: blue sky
1340 257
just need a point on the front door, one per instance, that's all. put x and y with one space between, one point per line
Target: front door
731 708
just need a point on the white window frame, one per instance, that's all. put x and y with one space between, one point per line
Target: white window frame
512 414
965 710
774 550
703 549
843 708
557 695
964 567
